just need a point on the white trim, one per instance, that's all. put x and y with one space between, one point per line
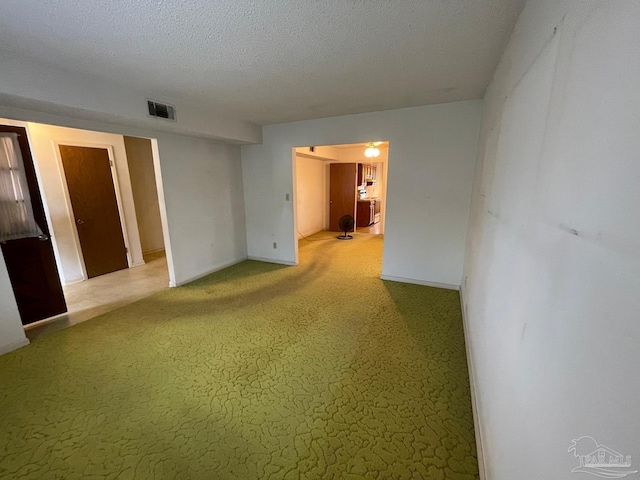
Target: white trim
294 201
137 264
208 272
45 204
162 206
305 235
70 217
73 280
272 260
474 393
155 250
10 347
420 282
119 203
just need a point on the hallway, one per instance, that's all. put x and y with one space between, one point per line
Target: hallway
93 297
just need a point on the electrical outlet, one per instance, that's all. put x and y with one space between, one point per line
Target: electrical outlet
275 244
286 197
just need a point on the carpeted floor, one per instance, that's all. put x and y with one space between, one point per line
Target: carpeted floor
260 371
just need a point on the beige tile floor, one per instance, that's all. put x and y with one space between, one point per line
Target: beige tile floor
88 299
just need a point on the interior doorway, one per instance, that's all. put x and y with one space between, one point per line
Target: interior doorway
97 199
30 260
333 182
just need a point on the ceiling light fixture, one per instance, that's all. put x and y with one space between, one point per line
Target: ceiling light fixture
372 151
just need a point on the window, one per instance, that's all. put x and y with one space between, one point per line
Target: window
16 213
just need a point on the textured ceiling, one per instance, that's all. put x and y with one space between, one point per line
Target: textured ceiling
272 61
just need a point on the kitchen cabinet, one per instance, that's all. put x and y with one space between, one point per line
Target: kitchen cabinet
366 174
368 212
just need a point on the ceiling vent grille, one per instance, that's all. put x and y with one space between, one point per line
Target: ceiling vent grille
161 110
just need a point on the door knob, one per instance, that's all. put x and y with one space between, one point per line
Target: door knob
80 222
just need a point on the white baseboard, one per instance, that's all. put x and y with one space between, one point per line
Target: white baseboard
73 280
420 282
10 347
313 232
474 393
270 260
138 264
208 272
151 252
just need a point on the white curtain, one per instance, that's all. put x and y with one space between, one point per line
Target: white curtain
16 213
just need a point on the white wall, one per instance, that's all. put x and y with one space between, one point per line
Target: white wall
145 193
431 160
310 195
553 254
44 140
204 203
11 332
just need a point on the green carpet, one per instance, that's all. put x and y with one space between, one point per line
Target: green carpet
260 371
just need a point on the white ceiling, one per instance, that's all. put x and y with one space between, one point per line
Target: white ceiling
272 61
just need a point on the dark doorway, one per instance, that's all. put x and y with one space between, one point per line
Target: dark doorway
95 208
30 261
342 193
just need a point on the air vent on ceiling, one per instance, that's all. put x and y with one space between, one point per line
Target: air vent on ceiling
161 110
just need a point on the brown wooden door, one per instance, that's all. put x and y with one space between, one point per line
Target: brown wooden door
342 193
95 208
30 261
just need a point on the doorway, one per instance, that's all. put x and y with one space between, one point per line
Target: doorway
30 260
85 183
334 181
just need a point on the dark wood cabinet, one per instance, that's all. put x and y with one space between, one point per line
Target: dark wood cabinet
366 174
368 212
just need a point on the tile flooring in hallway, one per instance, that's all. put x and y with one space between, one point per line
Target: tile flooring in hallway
93 297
